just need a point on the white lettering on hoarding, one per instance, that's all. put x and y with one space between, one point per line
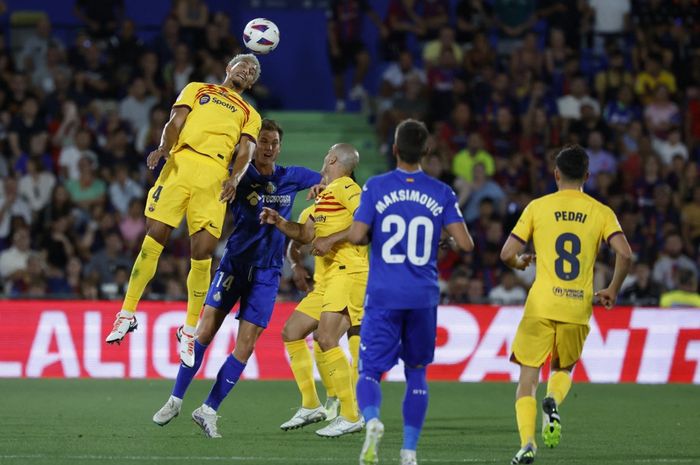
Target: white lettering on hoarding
662 328
603 358
92 350
53 323
486 359
165 344
692 352
138 348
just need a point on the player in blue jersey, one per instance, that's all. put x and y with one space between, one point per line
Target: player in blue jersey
249 271
402 214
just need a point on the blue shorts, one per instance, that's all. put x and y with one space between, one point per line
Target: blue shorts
255 287
387 334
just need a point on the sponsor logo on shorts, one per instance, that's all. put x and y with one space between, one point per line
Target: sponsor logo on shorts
576 294
204 99
217 297
152 207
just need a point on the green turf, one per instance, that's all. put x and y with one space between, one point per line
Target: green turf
109 422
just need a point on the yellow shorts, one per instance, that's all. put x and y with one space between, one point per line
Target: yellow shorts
189 183
311 304
345 290
536 338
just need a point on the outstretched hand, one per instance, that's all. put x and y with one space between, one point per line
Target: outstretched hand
523 261
269 216
315 190
321 246
606 297
155 156
228 192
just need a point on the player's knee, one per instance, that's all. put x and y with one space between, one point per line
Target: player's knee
243 351
327 342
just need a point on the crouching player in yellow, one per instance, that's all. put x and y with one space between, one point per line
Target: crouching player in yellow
344 277
567 228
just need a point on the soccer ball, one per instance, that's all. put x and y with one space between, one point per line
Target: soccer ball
261 36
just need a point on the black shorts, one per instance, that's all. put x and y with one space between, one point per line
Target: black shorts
347 57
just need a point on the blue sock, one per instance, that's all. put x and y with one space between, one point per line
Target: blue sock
415 405
369 394
186 374
227 377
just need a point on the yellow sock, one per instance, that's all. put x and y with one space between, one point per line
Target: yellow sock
142 272
302 367
338 368
354 343
526 415
320 357
197 286
559 385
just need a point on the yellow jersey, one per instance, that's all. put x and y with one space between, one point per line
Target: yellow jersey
318 261
567 228
217 119
333 212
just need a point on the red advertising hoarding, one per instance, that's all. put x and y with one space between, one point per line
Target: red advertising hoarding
65 339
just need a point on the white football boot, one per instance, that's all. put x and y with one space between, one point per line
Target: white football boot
340 427
303 417
206 421
370 448
186 348
408 457
168 412
123 325
332 408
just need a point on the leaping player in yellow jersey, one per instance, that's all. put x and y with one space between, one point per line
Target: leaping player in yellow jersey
567 228
345 276
206 124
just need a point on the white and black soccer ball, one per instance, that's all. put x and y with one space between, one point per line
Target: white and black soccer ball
261 36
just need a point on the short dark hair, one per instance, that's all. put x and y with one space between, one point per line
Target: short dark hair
411 140
572 162
271 125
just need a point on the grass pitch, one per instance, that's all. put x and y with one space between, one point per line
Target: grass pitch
109 422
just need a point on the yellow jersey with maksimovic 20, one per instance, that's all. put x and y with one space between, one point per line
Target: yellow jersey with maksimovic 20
333 212
217 119
567 228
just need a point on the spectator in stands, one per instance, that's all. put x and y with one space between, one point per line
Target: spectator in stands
661 114
12 205
165 43
687 293
642 290
670 263
101 17
13 261
104 263
347 48
38 152
476 292
435 16
88 190
192 16
393 84
124 51
135 108
671 148
570 105
610 22
457 288
472 16
690 222
123 190
454 133
465 160
480 55
482 187
401 21
580 130
37 185
25 125
556 56
621 111
653 76
34 48
133 225
508 292
610 81
59 244
527 58
434 48
178 71
513 20
599 159
73 152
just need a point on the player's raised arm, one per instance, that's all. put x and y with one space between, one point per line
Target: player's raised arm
246 150
170 134
623 262
303 233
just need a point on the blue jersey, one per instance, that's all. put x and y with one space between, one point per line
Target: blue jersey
406 213
259 245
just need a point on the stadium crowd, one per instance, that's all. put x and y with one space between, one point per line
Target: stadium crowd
502 85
